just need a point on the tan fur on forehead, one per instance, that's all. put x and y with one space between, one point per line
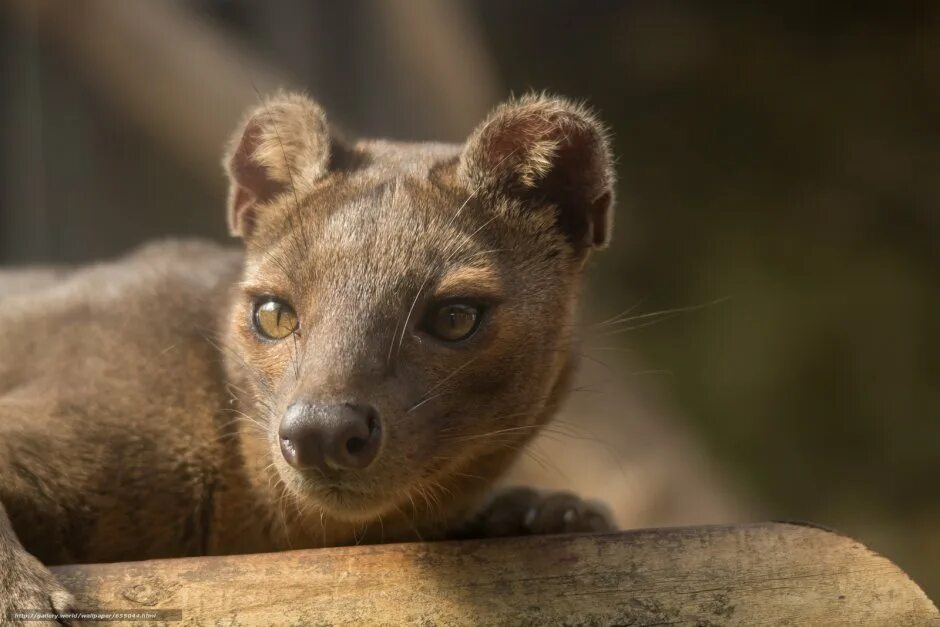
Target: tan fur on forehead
542 161
470 281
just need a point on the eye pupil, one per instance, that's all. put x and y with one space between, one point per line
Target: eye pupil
454 322
274 319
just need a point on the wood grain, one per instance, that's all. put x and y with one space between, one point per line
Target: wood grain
759 574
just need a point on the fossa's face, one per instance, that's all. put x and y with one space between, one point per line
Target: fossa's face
403 320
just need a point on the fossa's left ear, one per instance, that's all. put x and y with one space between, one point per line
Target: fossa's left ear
283 143
551 154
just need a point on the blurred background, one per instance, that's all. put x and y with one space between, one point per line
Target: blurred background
778 183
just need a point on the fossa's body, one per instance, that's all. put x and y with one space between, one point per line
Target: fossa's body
399 323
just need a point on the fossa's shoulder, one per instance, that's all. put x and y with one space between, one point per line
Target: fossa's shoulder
154 270
168 293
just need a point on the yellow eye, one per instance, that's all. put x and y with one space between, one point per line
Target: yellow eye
274 319
453 322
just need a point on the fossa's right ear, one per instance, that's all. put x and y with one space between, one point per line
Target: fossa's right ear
283 145
547 152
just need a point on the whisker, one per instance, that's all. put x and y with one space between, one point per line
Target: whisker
422 402
653 316
616 318
453 373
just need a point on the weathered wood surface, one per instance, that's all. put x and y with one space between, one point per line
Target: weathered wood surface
761 574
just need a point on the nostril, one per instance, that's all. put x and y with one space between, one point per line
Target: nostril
361 443
355 445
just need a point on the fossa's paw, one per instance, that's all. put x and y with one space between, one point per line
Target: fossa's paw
28 586
524 511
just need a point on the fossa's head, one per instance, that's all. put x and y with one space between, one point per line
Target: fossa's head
405 315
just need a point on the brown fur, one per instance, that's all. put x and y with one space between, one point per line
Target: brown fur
139 411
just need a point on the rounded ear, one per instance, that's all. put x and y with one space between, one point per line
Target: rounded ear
283 145
551 154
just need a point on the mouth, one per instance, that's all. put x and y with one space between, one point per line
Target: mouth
357 498
337 498
351 505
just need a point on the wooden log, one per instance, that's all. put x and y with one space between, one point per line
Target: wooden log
756 574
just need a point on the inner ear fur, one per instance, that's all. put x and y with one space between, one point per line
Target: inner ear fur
547 152
283 143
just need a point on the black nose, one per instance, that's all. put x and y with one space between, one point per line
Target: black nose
343 436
